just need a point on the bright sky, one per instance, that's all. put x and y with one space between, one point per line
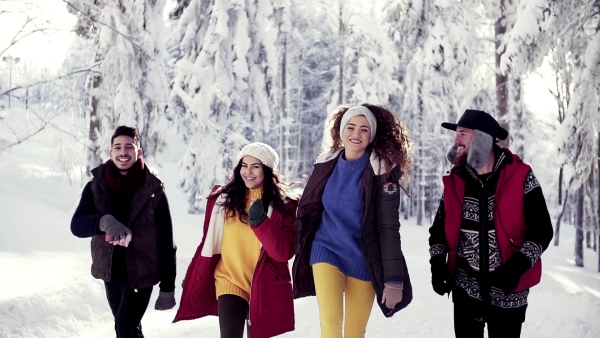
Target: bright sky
40 50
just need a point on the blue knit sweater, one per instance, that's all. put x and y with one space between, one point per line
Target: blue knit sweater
337 239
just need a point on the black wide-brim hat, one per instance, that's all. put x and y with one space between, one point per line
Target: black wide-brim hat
480 120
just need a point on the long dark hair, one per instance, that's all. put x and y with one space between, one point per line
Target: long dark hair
391 144
236 191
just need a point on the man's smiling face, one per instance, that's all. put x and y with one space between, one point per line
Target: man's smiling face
124 153
463 139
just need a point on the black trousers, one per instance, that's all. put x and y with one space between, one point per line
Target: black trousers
233 312
468 326
128 307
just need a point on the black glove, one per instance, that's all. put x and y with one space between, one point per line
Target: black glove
507 275
165 301
115 229
441 279
256 213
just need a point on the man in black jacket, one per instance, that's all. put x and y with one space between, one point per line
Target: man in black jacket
125 211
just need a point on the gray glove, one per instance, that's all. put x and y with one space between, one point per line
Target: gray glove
165 301
392 294
115 229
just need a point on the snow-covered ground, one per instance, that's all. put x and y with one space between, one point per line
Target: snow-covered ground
46 289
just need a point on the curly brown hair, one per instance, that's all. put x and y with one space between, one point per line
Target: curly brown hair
392 143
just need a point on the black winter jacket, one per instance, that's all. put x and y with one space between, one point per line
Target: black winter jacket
380 225
150 257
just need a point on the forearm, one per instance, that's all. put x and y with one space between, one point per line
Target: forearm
86 220
537 220
279 243
437 235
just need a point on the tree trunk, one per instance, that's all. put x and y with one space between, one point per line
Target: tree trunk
579 226
421 187
559 219
341 54
94 128
518 123
590 217
560 183
501 79
284 161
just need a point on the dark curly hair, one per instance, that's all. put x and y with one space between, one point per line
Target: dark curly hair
392 143
235 204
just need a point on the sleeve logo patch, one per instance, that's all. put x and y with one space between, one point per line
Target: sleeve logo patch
390 188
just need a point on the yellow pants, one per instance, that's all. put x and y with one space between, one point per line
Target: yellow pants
330 284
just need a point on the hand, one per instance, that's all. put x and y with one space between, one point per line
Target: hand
508 275
165 301
392 294
441 279
256 213
114 228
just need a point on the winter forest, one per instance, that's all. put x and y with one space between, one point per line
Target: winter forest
212 75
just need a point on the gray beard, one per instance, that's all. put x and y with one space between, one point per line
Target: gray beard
478 151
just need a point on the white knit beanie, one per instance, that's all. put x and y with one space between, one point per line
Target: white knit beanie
261 151
360 110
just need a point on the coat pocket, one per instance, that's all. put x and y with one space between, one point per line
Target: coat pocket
274 291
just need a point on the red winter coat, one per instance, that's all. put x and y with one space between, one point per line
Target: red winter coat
271 297
509 219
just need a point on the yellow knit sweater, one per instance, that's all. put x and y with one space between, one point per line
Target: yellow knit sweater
240 250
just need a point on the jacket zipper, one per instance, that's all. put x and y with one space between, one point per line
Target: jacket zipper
484 253
252 283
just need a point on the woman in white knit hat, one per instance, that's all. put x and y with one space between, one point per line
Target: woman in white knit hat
240 271
348 239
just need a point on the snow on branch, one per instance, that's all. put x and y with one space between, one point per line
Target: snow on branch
523 46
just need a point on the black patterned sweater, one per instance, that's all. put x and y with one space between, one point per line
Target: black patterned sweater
478 252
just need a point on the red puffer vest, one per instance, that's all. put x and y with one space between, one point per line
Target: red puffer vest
271 297
509 219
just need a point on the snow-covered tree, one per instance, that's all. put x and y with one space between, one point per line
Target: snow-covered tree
438 87
311 69
227 84
367 60
128 86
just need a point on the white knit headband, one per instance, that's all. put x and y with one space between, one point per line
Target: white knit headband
360 110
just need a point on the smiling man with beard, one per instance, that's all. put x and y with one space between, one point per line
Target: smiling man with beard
489 232
125 211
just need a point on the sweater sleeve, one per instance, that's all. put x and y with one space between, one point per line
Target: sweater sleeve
86 220
437 235
166 246
387 204
538 224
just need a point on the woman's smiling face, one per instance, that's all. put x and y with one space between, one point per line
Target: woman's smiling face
252 172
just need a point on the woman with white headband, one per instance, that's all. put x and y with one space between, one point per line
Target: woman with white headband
347 227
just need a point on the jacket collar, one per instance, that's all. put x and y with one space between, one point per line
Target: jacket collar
378 165
503 157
